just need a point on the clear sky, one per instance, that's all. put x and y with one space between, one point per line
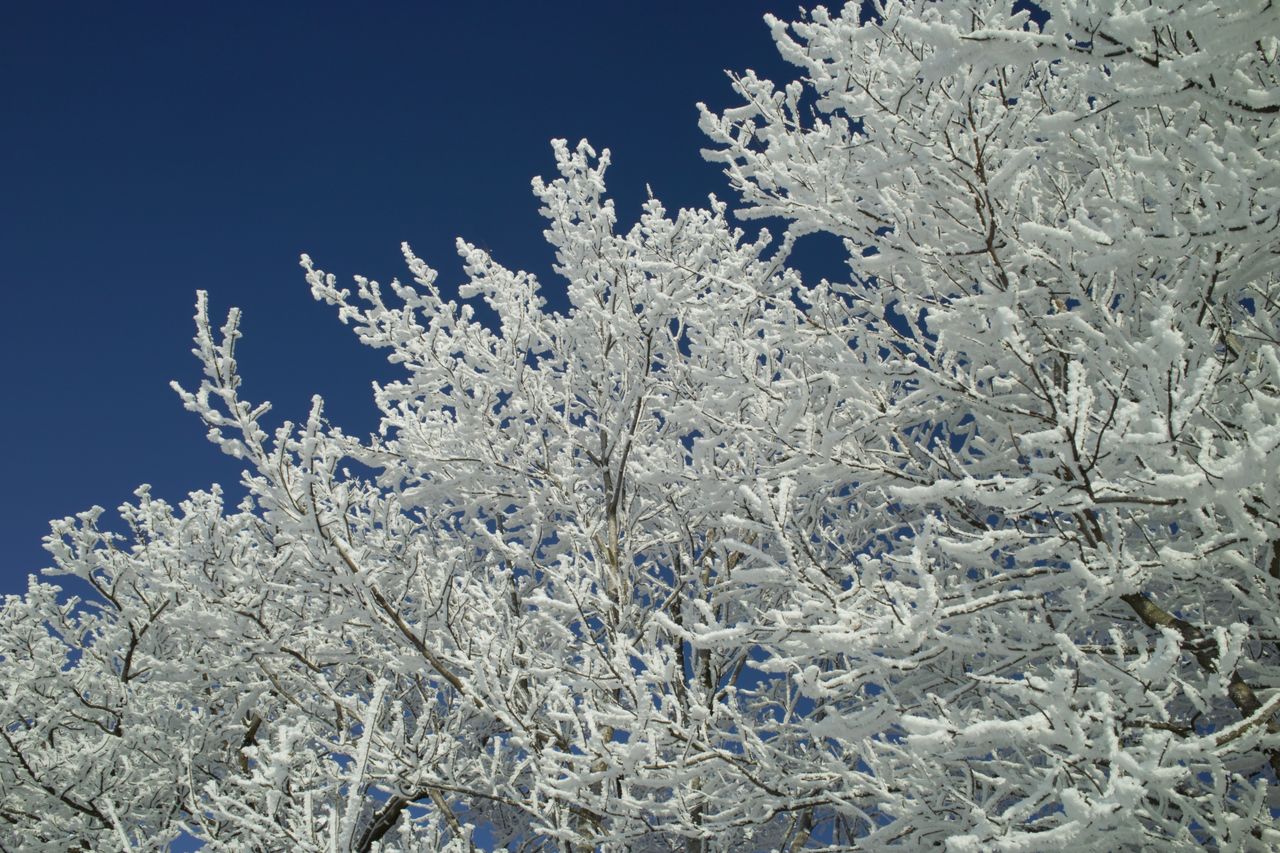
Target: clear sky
153 149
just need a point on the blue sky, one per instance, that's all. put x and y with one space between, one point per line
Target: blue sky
153 149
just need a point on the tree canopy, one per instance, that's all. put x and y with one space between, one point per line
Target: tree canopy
978 546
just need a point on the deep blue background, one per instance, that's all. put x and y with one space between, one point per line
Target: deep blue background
153 149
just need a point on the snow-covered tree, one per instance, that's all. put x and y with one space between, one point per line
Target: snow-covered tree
979 547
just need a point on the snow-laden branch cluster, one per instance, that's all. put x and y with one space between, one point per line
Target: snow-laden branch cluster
980 548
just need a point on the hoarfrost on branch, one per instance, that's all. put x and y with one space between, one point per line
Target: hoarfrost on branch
979 547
